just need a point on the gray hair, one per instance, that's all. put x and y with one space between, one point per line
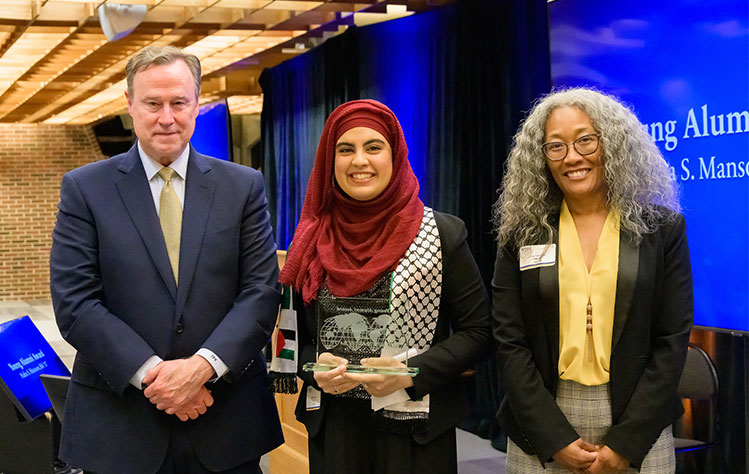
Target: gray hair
637 176
159 56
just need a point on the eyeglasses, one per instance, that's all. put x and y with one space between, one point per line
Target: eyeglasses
585 145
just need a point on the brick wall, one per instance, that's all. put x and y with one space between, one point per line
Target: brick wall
33 159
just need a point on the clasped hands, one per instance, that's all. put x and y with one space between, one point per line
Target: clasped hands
178 387
338 381
582 457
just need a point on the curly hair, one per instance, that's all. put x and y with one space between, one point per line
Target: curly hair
637 176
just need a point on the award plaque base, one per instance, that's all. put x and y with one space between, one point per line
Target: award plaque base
361 369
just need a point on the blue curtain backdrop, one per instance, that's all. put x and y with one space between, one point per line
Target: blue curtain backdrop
459 79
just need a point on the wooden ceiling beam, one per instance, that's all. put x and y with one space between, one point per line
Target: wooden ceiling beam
243 81
22 12
89 92
80 77
108 65
28 49
74 12
65 56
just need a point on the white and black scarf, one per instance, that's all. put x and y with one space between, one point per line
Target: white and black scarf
415 293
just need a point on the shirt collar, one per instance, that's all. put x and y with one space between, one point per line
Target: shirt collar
151 166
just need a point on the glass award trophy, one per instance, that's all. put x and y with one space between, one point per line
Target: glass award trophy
359 327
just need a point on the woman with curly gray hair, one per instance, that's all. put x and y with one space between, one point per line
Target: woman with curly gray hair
592 292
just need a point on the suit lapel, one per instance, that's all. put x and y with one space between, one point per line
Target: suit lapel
626 281
135 192
199 190
548 285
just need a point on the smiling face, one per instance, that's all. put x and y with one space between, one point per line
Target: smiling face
164 108
363 163
579 177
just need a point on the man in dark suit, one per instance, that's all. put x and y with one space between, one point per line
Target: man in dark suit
164 278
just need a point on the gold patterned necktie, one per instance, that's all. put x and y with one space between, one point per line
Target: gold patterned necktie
170 216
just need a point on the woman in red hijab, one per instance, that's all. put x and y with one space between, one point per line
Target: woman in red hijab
378 277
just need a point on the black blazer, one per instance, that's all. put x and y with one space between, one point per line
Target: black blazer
652 320
462 337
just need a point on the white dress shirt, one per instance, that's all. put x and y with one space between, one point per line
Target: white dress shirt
156 183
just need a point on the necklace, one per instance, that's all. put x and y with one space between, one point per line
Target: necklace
589 346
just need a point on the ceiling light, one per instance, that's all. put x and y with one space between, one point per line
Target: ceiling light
117 21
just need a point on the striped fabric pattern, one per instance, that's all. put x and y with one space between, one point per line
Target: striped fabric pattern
588 410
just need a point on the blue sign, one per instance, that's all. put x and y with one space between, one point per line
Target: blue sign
212 134
684 67
24 356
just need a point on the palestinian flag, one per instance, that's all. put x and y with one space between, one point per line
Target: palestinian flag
286 343
284 363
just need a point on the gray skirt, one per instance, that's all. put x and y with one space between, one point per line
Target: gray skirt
588 410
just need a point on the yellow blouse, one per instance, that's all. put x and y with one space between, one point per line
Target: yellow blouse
584 357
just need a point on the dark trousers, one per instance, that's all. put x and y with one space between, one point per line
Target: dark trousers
350 442
181 459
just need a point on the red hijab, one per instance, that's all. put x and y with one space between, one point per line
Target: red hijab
353 242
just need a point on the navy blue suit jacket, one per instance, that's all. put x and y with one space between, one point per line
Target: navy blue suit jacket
117 303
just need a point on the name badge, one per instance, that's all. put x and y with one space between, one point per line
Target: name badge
535 256
313 398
